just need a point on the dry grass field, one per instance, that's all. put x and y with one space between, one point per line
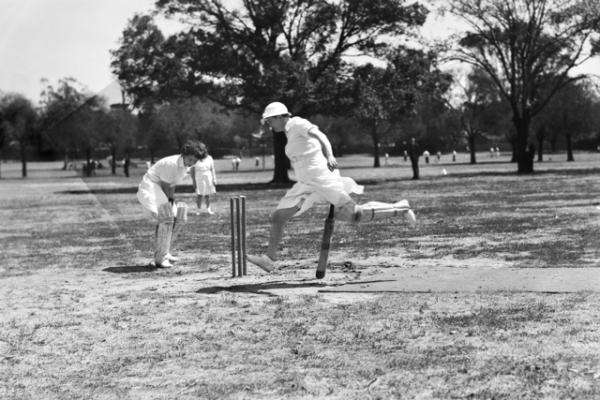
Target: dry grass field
84 317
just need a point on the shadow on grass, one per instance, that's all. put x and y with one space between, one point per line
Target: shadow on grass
126 269
263 288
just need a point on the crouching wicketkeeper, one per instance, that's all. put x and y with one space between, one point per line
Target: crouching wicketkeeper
156 192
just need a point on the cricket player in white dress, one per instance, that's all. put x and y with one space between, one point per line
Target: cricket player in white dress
156 194
318 180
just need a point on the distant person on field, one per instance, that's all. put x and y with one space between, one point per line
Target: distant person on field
426 155
204 179
318 180
453 155
414 153
235 163
156 194
126 165
387 157
256 162
438 156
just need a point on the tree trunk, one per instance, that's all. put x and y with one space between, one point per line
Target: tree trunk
151 156
23 151
113 163
126 164
282 163
472 147
522 150
569 146
513 157
540 138
376 144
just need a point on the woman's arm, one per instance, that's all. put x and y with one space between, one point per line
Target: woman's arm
212 170
325 147
169 190
193 175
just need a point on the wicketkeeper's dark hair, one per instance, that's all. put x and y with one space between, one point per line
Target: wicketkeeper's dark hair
194 148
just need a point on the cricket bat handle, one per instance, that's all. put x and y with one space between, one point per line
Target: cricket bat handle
325 243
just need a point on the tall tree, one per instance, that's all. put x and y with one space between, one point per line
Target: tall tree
292 51
481 112
65 116
19 120
571 114
117 131
529 48
382 97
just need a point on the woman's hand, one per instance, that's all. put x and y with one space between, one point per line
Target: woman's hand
332 163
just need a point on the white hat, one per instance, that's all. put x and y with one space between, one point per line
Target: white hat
275 109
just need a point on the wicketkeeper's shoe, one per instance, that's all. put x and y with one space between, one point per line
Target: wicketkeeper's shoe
262 261
170 257
164 264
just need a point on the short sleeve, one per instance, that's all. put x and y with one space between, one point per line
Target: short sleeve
300 127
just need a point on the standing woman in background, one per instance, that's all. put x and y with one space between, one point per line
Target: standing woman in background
204 179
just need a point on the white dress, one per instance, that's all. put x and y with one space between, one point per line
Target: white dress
170 170
204 173
315 182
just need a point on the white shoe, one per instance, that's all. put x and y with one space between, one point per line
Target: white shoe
171 257
165 264
209 211
262 261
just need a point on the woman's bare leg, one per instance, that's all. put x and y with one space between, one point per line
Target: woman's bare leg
278 221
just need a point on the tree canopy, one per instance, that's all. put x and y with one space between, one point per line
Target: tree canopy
529 48
291 50
382 98
18 124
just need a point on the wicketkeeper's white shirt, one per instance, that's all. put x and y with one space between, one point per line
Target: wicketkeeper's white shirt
170 170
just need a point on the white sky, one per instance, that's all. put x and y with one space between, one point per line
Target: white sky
59 38
54 39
